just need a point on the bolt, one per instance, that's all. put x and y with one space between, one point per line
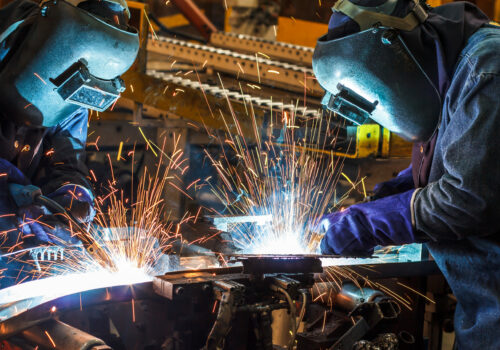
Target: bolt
179 290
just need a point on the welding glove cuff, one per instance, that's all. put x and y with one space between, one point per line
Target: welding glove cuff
356 230
77 200
401 183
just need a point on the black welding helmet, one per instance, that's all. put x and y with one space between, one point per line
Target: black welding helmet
372 74
64 56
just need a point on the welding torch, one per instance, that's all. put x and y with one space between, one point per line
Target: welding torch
30 194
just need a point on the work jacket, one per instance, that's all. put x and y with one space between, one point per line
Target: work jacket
459 207
49 157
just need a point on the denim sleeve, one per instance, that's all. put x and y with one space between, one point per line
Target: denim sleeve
465 201
64 155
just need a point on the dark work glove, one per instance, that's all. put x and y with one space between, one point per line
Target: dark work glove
37 221
77 200
32 222
356 230
401 183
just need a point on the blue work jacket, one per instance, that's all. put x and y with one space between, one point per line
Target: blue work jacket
459 208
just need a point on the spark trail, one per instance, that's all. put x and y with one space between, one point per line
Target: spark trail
133 239
282 177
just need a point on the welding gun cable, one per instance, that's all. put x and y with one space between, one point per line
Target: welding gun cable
302 311
292 316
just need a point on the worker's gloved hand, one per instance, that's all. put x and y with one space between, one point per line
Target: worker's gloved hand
356 230
39 225
8 219
77 200
9 173
32 222
15 218
401 183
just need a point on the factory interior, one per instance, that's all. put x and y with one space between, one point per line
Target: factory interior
223 181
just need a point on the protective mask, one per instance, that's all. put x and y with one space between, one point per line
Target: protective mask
68 58
373 75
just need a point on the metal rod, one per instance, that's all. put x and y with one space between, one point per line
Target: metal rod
56 334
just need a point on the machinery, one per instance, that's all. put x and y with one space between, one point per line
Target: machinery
261 302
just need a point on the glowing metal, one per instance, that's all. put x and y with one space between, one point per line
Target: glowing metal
43 290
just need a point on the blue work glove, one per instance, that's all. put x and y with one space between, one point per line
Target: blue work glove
76 199
35 222
356 230
8 220
32 221
401 183
11 217
39 221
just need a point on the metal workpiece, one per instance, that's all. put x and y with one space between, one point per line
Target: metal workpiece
250 67
183 285
223 222
268 264
351 296
48 253
56 334
366 317
275 49
182 248
230 295
365 308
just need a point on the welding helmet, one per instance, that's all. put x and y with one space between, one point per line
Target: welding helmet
64 56
372 74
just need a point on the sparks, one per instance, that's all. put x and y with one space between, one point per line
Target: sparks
286 181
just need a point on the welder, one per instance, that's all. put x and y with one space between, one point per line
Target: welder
57 60
431 75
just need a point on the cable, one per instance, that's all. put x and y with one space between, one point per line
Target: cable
302 310
301 317
292 316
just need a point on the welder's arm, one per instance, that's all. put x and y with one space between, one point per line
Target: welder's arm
62 174
356 230
22 221
466 200
399 184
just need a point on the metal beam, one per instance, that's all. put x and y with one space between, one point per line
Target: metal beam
254 68
193 105
275 49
